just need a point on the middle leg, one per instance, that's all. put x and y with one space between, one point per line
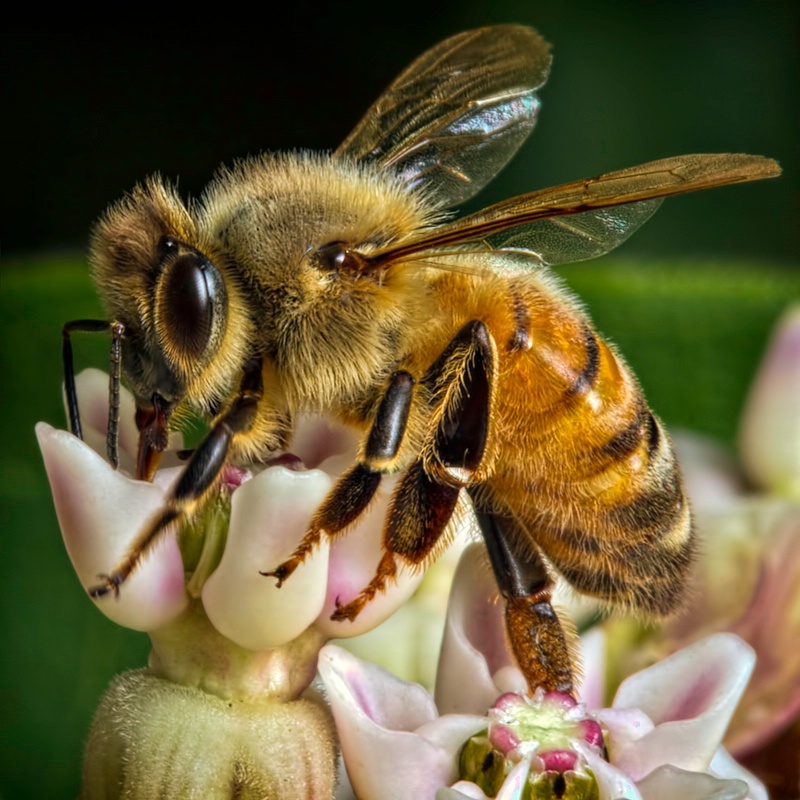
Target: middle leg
461 383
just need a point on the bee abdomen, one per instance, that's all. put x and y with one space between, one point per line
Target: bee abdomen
636 545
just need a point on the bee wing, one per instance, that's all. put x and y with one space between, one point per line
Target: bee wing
576 237
458 114
585 218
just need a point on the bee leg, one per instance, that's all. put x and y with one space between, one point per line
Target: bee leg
537 639
462 382
201 473
354 491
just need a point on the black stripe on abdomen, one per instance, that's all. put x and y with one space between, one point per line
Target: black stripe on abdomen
584 382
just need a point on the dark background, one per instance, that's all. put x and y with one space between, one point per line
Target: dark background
86 115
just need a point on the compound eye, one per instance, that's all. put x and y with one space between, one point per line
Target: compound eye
187 298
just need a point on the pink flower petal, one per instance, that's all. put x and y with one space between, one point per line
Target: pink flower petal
769 434
100 512
393 745
771 624
354 561
690 697
474 654
724 766
612 783
269 515
668 782
91 386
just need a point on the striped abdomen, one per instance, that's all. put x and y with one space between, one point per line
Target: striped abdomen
583 463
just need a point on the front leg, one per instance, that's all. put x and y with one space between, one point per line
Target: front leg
354 491
462 383
201 474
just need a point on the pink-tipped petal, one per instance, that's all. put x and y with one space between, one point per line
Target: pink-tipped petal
101 512
388 730
612 782
723 765
269 515
769 434
690 697
473 648
668 782
323 445
593 658
514 784
354 560
91 386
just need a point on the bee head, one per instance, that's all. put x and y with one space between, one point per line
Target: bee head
163 285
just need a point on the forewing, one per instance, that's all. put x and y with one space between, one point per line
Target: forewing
576 237
458 114
585 218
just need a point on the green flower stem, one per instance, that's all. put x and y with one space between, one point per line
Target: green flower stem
191 652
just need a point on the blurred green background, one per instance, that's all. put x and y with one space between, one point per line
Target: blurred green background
690 299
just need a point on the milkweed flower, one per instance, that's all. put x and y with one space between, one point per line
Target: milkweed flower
662 733
769 433
224 701
748 577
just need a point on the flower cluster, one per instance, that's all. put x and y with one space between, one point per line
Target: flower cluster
748 516
229 646
660 738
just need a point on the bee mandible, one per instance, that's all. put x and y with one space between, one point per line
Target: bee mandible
341 285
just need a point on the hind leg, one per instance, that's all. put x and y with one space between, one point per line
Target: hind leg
538 641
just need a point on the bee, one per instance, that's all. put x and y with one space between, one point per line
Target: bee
340 284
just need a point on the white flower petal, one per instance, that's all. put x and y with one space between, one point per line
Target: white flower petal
769 434
725 766
91 386
710 472
354 560
461 790
379 718
593 659
512 788
612 783
269 514
690 697
515 781
101 512
668 782
473 648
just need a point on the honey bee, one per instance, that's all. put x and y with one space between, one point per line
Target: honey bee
339 284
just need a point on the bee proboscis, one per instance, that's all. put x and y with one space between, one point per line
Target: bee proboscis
338 284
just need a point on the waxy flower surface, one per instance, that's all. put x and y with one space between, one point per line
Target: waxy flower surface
101 511
748 576
662 733
232 652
